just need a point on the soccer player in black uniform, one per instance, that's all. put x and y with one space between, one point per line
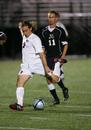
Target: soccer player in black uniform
55 45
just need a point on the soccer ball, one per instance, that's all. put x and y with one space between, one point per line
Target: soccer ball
38 104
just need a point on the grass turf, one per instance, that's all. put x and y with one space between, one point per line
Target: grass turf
75 114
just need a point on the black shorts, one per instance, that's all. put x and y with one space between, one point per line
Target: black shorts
51 62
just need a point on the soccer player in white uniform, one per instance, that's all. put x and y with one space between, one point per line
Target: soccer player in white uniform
33 62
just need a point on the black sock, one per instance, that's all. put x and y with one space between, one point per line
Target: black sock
61 84
54 94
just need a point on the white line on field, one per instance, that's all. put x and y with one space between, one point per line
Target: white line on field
38 118
76 106
70 106
21 128
80 92
84 115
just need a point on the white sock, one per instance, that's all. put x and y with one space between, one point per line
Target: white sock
19 95
51 86
56 70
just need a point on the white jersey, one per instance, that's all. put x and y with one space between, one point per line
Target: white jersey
31 47
31 61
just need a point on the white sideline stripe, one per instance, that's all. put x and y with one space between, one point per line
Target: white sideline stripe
84 115
38 118
81 92
78 106
74 106
21 128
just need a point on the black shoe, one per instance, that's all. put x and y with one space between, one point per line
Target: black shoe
55 102
16 106
66 94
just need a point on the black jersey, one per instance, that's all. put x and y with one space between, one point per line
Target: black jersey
53 41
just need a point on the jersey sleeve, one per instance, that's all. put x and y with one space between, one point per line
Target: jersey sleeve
43 42
37 44
64 38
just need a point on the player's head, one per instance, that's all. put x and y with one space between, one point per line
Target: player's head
53 17
26 28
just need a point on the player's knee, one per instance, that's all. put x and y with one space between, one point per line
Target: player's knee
56 79
53 78
21 80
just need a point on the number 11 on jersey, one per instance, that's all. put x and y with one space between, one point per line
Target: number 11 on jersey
51 42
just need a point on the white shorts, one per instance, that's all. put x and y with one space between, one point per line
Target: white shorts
30 69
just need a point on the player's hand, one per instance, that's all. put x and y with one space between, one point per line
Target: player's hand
47 70
19 25
62 61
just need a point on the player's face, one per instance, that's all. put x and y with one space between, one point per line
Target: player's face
26 31
52 19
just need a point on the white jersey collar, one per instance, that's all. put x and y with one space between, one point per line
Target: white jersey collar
28 36
50 29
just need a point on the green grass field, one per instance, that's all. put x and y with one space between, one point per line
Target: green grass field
75 114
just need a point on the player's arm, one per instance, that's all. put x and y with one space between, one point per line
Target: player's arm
64 42
20 28
44 62
65 48
52 75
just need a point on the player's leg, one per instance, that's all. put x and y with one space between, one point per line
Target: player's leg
51 79
23 76
39 69
58 70
64 89
54 76
62 86
52 90
58 76
21 80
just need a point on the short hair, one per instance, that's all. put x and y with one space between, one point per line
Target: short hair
30 24
26 23
54 12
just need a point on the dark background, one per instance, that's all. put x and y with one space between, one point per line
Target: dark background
75 15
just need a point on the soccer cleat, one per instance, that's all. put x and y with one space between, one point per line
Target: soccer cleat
66 94
16 106
56 102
